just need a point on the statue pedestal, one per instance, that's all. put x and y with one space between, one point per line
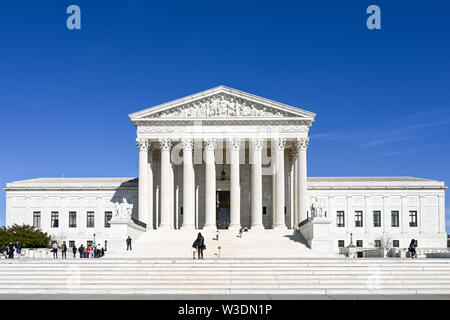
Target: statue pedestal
352 253
317 233
121 228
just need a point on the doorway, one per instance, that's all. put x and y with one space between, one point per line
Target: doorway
223 209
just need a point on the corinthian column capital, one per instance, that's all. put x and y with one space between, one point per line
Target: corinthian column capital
280 143
210 144
256 144
302 143
234 143
187 144
165 144
142 144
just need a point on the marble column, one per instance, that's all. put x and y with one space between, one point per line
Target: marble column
188 186
292 195
149 221
302 145
210 184
256 193
166 187
143 181
296 215
280 222
234 145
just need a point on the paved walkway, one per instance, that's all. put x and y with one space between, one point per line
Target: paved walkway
221 297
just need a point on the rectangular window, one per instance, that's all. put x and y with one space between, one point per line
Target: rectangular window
55 219
340 219
394 219
413 218
89 243
106 245
377 219
181 211
264 210
341 243
359 243
37 219
108 216
90 219
72 219
377 243
396 243
71 244
285 210
358 219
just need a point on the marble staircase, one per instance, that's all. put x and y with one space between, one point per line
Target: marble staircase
253 244
225 276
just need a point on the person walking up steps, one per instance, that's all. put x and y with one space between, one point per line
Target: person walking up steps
200 244
129 243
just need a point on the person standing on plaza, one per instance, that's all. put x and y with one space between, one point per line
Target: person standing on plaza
18 249
412 248
64 250
240 233
11 250
74 250
55 250
88 252
129 243
81 251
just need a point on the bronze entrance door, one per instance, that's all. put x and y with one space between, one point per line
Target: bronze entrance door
223 209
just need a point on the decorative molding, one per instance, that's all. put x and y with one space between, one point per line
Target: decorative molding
217 126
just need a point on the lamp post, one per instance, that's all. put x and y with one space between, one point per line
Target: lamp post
95 243
351 240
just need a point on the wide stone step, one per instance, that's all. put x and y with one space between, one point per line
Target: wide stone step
187 282
203 286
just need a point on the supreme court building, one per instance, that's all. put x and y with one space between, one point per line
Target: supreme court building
223 158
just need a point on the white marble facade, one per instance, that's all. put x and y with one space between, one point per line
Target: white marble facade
245 156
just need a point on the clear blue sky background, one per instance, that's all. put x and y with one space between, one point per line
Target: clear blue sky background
382 97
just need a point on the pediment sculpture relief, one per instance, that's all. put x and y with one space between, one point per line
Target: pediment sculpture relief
220 106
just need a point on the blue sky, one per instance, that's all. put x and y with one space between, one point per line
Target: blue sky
382 96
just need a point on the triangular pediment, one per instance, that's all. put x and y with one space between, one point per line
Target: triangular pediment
221 102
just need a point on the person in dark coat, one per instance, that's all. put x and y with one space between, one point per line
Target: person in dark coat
74 251
81 251
412 248
64 250
129 243
11 250
199 243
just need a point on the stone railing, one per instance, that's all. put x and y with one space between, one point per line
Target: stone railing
396 252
